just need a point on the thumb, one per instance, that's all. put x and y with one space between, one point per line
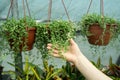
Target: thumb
72 42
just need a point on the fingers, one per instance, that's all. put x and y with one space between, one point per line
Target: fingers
54 52
55 55
49 46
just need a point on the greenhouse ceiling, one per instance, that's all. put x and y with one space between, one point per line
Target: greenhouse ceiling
76 8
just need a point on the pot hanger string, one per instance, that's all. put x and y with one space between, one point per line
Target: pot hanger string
50 10
24 9
89 6
11 3
102 9
28 8
66 10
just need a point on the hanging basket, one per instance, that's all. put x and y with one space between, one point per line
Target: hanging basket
30 38
99 36
26 41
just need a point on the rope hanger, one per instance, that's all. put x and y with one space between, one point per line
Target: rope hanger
50 10
24 10
11 3
101 7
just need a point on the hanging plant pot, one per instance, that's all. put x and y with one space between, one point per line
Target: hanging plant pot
27 41
20 33
99 36
98 29
31 38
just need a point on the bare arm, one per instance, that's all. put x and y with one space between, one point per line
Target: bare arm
88 69
75 56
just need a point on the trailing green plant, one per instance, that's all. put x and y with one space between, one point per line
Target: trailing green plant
15 31
90 19
28 22
57 32
99 29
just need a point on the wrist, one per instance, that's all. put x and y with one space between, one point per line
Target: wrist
77 58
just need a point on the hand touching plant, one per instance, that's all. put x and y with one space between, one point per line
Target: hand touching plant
74 55
70 55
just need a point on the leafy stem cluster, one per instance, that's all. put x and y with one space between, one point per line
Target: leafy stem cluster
57 32
15 31
90 19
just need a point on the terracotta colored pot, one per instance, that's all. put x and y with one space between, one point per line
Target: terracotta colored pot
99 36
30 39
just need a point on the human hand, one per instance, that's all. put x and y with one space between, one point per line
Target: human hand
70 55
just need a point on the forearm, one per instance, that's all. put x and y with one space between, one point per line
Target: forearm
89 71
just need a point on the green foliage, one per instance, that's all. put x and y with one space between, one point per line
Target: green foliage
51 73
98 64
70 72
28 22
33 72
15 30
30 72
112 70
90 19
57 32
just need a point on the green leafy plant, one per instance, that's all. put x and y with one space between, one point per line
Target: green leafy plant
15 32
99 28
98 64
70 72
57 32
90 19
33 72
113 70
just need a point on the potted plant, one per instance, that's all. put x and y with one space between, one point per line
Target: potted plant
113 70
98 29
20 33
56 32
70 72
34 72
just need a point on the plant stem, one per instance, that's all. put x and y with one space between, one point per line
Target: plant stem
18 64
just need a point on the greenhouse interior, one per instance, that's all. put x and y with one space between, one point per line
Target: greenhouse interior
59 40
